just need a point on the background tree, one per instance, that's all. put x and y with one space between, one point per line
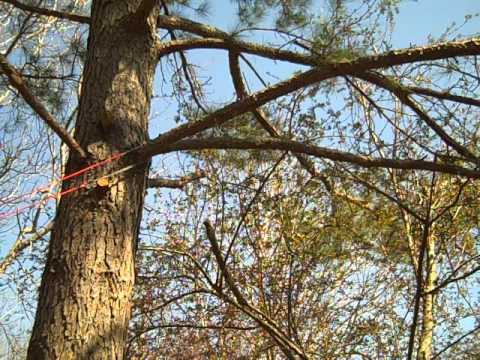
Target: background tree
331 214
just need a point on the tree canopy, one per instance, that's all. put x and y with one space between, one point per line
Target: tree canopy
253 179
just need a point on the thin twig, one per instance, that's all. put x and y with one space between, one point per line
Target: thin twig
47 12
474 330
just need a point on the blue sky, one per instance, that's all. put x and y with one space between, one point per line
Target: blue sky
418 19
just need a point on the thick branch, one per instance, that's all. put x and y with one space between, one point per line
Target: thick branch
219 40
174 183
239 46
316 151
239 107
16 80
403 95
47 12
170 22
235 72
396 57
232 110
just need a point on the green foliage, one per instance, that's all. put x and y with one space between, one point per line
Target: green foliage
288 14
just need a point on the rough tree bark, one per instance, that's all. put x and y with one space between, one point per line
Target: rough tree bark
85 295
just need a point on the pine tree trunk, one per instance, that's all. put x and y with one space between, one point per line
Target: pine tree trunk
85 295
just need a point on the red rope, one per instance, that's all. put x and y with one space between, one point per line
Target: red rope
94 166
17 211
20 210
66 177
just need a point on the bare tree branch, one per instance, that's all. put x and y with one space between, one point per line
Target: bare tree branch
16 80
393 199
473 331
47 12
263 320
261 117
196 326
221 263
387 118
288 347
178 297
403 95
452 279
443 95
21 244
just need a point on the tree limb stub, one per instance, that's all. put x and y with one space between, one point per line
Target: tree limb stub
174 183
137 22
